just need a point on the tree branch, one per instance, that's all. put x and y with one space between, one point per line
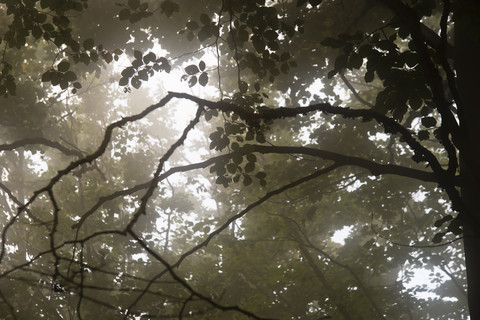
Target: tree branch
40 141
353 91
192 291
342 160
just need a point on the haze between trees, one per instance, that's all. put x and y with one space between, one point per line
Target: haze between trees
123 224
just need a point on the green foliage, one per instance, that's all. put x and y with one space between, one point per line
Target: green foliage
319 116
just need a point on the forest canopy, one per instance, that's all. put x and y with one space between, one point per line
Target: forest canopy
247 159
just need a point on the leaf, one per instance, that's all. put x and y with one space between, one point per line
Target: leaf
247 180
88 44
415 102
205 19
355 61
285 56
37 32
77 6
364 50
250 136
242 35
192 25
48 27
258 44
423 135
10 85
94 56
249 167
441 221
149 57
331 74
143 75
137 63
164 64
134 4
47 76
136 83
237 158
242 86
341 62
135 17
301 2
203 79
144 7
410 58
192 81
138 55
261 175
192 69
251 157
123 81
55 78
429 122
315 3
201 65
168 8
438 237
270 35
369 75
74 45
260 137
204 33
70 76
210 113
124 14
403 32
231 167
333 43
128 72
63 84
455 227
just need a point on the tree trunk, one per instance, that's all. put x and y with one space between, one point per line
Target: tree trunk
467 65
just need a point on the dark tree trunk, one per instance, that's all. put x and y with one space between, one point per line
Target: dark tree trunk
467 65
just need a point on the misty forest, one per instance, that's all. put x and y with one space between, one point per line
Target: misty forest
239 159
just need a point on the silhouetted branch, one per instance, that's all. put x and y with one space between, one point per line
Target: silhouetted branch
353 91
143 203
85 160
265 114
15 200
39 141
192 291
250 117
342 160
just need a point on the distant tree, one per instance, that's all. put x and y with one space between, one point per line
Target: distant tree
311 116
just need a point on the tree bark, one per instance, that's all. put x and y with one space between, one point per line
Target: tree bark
467 66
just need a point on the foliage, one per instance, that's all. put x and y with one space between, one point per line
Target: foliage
309 117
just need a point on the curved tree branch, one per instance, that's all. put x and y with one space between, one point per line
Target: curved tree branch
40 141
182 282
342 160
